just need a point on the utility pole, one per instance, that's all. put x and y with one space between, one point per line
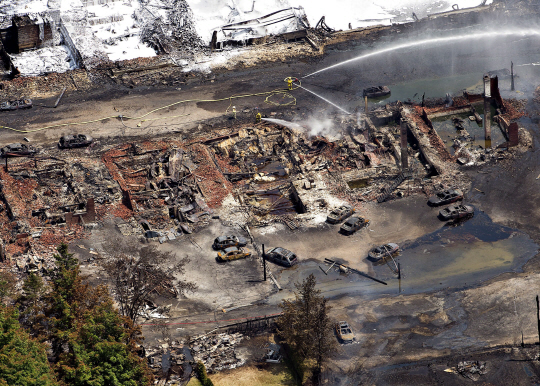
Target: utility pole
512 75
538 316
264 262
404 153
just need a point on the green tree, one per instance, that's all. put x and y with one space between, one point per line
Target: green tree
23 360
201 373
31 305
324 342
7 285
93 344
305 324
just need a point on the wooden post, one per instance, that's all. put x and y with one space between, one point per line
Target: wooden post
365 99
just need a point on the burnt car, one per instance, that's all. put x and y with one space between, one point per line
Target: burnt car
281 256
344 332
444 197
382 251
17 149
223 242
24 103
233 253
74 140
456 211
376 91
353 224
339 214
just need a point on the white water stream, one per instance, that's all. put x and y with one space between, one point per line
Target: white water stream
432 41
324 99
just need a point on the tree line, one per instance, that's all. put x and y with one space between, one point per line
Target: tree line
67 332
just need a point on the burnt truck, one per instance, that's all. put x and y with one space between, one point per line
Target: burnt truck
376 91
16 104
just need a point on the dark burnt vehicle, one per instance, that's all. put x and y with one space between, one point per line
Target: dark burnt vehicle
17 149
339 214
376 91
353 224
281 256
16 104
223 242
444 197
456 211
344 332
382 251
74 140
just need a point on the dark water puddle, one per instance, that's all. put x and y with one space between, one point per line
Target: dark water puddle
271 201
359 184
457 256
433 88
447 131
462 255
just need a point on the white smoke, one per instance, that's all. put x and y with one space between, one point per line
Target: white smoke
321 126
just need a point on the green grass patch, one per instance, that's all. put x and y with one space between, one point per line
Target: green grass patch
270 375
194 382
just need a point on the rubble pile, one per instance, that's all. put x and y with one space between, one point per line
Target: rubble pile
218 352
259 174
161 186
472 369
173 33
49 200
434 139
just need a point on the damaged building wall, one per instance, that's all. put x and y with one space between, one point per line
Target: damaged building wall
27 33
72 48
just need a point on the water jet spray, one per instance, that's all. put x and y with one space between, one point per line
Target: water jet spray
448 39
324 99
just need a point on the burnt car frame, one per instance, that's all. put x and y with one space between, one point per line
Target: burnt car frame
339 214
17 149
233 253
376 91
382 251
446 196
344 332
353 224
456 211
72 141
227 241
17 104
281 256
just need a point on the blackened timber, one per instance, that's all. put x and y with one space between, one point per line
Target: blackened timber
326 260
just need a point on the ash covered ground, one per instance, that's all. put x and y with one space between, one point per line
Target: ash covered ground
190 171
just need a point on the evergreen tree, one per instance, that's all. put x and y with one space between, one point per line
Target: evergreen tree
7 285
305 324
23 360
93 344
31 305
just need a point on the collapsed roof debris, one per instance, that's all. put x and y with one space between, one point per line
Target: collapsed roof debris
278 22
173 33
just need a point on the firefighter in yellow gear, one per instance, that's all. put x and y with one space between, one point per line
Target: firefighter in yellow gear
289 82
258 117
